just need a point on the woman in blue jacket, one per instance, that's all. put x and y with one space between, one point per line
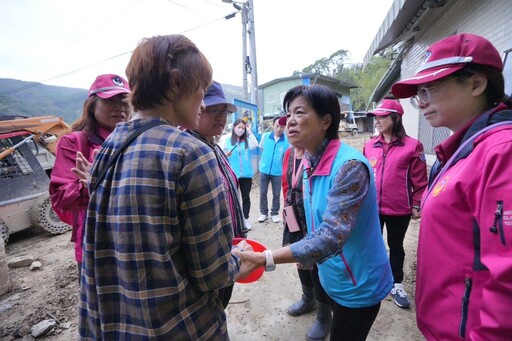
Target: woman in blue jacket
238 150
344 237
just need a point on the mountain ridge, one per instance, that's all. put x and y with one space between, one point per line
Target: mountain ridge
22 98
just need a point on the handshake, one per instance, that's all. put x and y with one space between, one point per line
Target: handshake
253 261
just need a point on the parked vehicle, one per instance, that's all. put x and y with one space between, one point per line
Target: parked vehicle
27 148
348 123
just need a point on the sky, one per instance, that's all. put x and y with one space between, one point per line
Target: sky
68 43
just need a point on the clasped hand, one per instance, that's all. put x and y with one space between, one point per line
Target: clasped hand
250 260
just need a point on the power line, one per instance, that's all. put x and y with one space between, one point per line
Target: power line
210 22
26 87
35 84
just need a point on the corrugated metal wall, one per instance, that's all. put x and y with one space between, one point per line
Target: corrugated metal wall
489 18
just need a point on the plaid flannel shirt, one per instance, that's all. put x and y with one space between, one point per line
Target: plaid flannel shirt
157 241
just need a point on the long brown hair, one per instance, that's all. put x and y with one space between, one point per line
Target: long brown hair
86 121
398 129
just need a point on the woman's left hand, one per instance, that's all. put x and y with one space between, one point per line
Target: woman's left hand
241 247
82 167
250 261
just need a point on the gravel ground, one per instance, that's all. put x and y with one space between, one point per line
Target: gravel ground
257 310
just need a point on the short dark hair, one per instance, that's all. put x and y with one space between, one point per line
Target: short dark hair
322 99
166 68
495 90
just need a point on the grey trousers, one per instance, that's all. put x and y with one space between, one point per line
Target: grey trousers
265 179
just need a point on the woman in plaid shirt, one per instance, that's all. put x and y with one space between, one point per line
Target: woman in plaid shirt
158 232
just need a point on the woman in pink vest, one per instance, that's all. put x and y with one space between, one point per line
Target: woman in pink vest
400 172
102 110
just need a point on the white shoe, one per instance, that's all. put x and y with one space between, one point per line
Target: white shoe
247 224
262 218
276 219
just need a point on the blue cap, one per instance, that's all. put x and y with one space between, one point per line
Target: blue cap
214 95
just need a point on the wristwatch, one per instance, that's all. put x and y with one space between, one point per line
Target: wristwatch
269 265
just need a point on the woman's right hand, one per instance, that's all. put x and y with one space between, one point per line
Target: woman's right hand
415 214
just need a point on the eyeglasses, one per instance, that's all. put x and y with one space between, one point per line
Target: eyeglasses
424 96
217 111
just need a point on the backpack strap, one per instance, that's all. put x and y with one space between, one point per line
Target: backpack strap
463 150
480 125
487 119
134 134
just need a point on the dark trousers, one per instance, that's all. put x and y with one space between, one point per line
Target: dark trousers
225 295
352 324
309 278
245 190
396 227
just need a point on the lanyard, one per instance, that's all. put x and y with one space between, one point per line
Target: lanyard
296 172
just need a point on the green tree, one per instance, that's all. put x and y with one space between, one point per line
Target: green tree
366 78
327 66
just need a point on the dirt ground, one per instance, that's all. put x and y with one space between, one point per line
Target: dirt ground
257 311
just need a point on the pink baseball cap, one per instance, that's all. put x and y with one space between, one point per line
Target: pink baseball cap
106 86
282 120
447 56
386 107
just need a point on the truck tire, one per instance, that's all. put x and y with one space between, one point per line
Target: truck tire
355 132
43 216
4 231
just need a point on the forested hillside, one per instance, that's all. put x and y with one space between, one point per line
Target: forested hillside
36 99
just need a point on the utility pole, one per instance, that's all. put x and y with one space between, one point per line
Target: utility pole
244 52
249 61
252 45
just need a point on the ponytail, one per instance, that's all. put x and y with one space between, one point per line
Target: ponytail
507 100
